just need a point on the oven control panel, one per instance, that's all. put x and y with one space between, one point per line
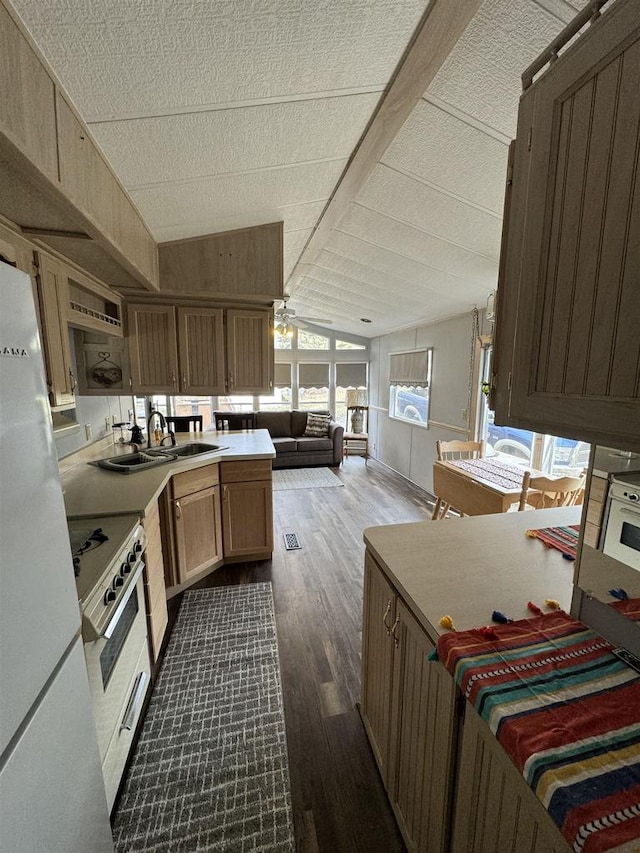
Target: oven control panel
105 572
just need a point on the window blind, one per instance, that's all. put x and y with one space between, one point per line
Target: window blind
409 368
352 375
282 375
312 375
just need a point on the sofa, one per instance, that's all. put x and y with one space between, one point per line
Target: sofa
293 448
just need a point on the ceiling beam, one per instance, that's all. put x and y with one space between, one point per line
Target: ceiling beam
441 26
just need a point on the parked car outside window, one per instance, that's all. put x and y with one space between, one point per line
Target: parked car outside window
411 404
562 456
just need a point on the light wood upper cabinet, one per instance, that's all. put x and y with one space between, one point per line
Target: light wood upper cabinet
245 264
186 349
27 106
91 185
567 340
249 351
153 348
201 350
53 299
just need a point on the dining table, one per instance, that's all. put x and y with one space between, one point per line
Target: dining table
477 486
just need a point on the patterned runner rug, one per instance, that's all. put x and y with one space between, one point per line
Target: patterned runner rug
304 478
210 771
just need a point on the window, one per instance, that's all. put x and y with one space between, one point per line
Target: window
282 341
553 455
281 398
409 381
348 375
313 385
348 345
310 340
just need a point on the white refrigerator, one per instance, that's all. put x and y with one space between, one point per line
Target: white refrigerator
51 789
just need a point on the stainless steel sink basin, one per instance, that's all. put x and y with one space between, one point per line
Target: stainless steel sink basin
193 448
131 462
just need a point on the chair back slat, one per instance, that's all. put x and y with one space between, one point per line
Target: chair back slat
184 423
546 492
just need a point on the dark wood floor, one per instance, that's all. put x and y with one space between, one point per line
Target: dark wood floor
339 804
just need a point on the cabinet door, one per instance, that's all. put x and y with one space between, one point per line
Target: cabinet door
197 530
27 106
247 519
423 732
494 807
249 352
153 349
52 295
377 661
571 268
201 348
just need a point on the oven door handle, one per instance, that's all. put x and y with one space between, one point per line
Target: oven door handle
117 613
137 695
629 511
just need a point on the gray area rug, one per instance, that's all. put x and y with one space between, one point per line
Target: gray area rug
210 771
304 478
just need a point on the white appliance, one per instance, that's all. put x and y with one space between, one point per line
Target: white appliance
622 535
52 795
109 568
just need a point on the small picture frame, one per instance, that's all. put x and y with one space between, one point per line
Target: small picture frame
102 368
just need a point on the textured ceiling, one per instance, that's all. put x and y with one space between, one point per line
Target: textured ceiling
220 114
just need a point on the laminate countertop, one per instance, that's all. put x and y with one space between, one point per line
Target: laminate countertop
469 567
92 491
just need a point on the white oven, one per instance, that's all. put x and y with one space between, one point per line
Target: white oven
622 535
114 629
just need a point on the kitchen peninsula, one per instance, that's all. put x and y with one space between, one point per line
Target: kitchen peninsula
448 780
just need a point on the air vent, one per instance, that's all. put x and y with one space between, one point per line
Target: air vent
291 541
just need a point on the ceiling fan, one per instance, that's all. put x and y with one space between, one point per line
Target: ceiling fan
286 320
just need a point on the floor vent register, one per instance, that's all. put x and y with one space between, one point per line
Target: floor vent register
291 541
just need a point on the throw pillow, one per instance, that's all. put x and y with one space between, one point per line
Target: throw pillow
317 426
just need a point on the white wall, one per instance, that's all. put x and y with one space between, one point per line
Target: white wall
407 448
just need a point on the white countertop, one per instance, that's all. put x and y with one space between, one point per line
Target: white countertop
469 567
92 491
608 461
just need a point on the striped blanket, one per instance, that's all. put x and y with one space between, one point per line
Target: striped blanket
564 539
567 712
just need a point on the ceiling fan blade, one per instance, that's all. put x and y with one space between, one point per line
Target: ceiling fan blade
322 320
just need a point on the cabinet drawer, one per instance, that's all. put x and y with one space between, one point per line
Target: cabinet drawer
591 534
193 481
158 619
598 489
244 472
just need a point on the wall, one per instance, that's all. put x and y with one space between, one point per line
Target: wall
407 448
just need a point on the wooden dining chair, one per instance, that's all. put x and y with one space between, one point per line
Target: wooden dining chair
545 492
234 420
447 451
184 423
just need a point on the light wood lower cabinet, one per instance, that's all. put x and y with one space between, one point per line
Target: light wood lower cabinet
247 510
452 787
408 708
192 507
494 807
154 586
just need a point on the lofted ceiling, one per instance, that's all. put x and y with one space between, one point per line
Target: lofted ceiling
222 114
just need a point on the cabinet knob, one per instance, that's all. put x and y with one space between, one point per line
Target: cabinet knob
73 381
174 378
394 632
178 510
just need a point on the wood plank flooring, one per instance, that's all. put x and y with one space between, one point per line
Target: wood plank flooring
339 804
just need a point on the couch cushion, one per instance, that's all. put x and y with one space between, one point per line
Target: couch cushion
278 423
306 445
285 445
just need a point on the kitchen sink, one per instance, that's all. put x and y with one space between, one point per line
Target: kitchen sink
193 448
131 462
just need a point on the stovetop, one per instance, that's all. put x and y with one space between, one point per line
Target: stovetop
96 543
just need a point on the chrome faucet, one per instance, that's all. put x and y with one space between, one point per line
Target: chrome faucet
163 426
